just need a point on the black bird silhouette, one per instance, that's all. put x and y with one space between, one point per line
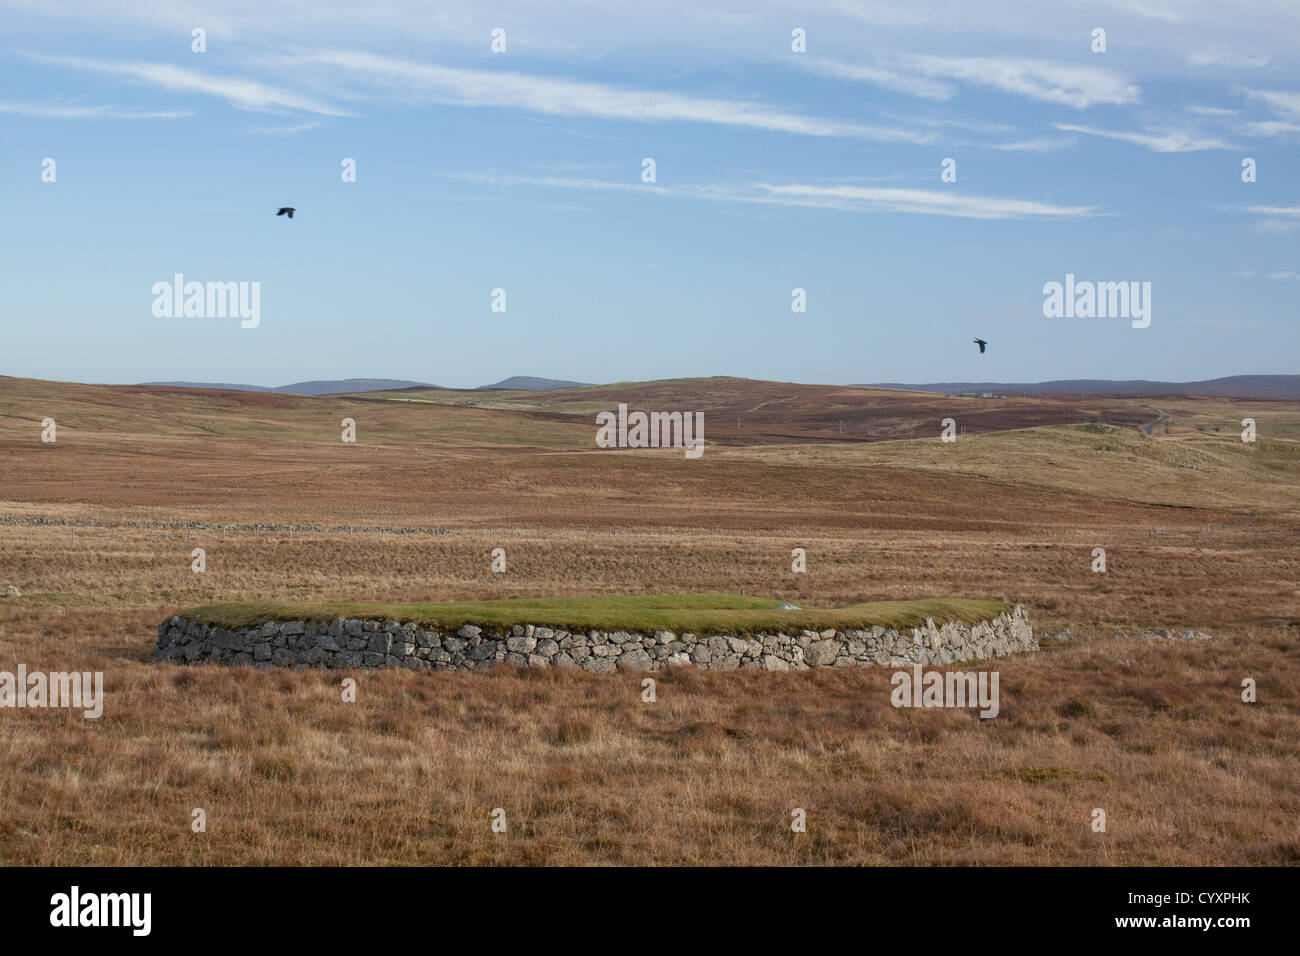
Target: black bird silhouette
288 210
981 343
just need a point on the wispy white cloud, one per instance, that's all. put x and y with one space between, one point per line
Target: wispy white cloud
1269 128
842 197
1076 86
1283 101
1278 219
72 111
1041 145
1243 274
940 202
1148 12
239 92
883 77
1275 210
1170 141
1285 275
286 130
1236 61
567 97
950 121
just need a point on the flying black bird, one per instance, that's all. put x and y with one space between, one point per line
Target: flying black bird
981 343
288 210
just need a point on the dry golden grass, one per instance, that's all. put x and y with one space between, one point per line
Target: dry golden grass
1153 732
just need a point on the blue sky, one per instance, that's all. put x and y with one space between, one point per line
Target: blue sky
774 170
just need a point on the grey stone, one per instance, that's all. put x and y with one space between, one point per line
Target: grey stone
822 652
228 640
635 660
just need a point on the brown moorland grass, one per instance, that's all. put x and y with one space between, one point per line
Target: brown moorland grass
1153 731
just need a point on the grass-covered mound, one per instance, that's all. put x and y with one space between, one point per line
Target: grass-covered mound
698 613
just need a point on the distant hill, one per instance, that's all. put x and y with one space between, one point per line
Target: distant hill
321 387
533 384
221 385
1234 386
331 387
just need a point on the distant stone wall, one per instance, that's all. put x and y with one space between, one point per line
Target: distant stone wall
347 644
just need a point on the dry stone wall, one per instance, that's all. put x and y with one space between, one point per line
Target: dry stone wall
347 644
